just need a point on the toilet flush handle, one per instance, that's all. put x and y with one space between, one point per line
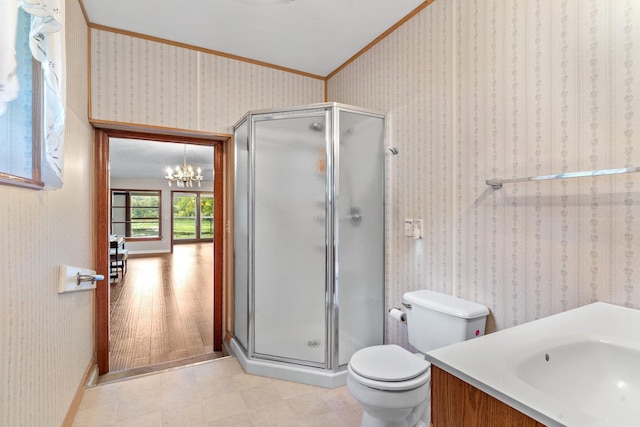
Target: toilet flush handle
406 305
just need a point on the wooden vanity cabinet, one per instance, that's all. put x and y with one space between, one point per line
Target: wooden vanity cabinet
455 403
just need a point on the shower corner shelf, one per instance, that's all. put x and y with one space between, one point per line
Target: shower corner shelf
496 183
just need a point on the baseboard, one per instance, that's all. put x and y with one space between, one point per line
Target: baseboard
90 374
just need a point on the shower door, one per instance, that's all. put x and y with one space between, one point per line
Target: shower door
290 236
359 230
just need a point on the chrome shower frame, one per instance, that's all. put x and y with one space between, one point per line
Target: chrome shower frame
330 373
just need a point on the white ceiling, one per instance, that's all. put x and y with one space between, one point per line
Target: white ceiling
138 159
312 36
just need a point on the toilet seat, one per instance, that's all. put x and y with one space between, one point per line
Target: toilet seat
389 367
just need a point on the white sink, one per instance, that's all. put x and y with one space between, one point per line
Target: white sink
596 377
577 368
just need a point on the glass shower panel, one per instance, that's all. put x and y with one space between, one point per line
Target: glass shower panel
360 219
240 234
290 237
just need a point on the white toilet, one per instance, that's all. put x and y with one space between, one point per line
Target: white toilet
391 384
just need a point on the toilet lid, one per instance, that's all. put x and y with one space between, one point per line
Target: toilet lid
387 363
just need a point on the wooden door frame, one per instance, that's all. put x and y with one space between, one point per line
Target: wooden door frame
102 132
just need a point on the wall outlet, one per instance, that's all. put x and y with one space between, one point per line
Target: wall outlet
408 227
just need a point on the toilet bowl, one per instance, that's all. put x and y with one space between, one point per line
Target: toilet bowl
391 384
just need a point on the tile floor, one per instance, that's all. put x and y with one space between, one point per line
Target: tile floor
215 393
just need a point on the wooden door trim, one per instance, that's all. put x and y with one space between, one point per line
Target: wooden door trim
101 191
101 226
218 242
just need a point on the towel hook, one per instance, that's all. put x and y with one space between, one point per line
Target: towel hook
80 278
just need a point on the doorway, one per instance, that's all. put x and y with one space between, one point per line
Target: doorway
162 310
102 135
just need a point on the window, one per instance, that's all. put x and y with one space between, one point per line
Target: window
206 216
20 124
136 214
192 216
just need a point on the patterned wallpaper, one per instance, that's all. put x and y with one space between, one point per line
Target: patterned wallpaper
509 88
46 339
145 82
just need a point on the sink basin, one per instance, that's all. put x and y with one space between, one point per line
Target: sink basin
577 368
596 377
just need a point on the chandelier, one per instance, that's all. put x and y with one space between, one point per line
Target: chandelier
185 175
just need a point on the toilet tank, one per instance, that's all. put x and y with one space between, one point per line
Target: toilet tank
436 320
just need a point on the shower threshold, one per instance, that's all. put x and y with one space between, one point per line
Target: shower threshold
288 372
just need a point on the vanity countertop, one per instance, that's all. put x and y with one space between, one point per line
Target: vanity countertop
576 368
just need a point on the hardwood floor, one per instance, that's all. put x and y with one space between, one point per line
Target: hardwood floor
162 310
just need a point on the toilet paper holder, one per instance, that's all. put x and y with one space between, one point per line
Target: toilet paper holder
398 314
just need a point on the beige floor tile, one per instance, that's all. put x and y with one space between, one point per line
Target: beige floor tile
336 398
276 415
307 406
147 420
210 390
143 387
243 381
96 411
223 406
97 416
140 405
289 389
328 419
260 396
215 394
228 366
99 406
185 377
110 392
239 420
188 415
349 417
179 390
208 373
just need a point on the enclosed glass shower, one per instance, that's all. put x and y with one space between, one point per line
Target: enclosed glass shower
308 240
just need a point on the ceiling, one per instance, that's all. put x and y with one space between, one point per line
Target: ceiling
139 159
311 36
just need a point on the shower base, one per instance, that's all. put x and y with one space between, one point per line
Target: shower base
288 371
